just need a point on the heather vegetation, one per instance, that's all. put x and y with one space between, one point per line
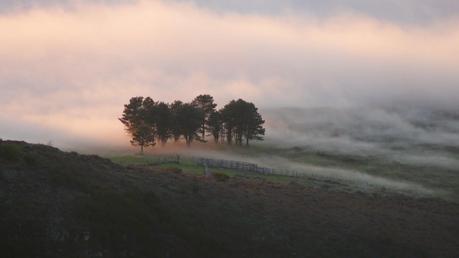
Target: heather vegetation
72 205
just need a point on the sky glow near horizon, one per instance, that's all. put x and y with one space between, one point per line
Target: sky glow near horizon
67 68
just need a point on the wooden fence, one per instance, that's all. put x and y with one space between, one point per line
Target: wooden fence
246 166
229 164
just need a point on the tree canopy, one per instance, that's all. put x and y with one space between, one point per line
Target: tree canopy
206 104
133 118
242 121
148 121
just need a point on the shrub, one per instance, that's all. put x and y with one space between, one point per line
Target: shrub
10 152
173 170
195 188
30 160
221 177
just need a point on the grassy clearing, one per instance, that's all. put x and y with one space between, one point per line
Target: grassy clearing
134 160
191 167
425 176
432 176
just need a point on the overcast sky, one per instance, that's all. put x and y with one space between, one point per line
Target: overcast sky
404 11
67 67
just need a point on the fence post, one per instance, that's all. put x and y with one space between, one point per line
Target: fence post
206 170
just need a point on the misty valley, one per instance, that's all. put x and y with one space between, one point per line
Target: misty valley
229 129
403 150
327 182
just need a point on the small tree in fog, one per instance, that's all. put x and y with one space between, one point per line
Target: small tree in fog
242 121
207 105
215 125
228 114
159 116
133 118
175 128
253 128
189 120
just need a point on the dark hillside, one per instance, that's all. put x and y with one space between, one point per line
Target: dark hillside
56 204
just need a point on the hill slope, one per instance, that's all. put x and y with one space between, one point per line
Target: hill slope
56 204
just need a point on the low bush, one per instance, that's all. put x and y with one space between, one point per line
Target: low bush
30 160
173 170
221 177
10 152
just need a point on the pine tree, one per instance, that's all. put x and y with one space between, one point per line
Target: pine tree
189 120
133 118
242 120
206 104
215 125
160 118
175 128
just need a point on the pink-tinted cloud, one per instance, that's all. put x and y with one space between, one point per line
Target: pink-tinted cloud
72 70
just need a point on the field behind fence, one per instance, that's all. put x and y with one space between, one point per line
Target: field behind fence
246 167
226 164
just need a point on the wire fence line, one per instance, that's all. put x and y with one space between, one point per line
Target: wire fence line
227 164
231 164
246 167
163 159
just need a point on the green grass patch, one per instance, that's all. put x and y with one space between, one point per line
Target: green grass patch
222 177
134 160
189 166
11 152
128 160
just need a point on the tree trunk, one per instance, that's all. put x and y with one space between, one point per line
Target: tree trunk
229 137
247 141
203 132
141 149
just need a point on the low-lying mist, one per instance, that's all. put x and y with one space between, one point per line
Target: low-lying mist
414 136
405 150
263 156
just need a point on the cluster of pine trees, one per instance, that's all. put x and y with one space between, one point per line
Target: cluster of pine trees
149 122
